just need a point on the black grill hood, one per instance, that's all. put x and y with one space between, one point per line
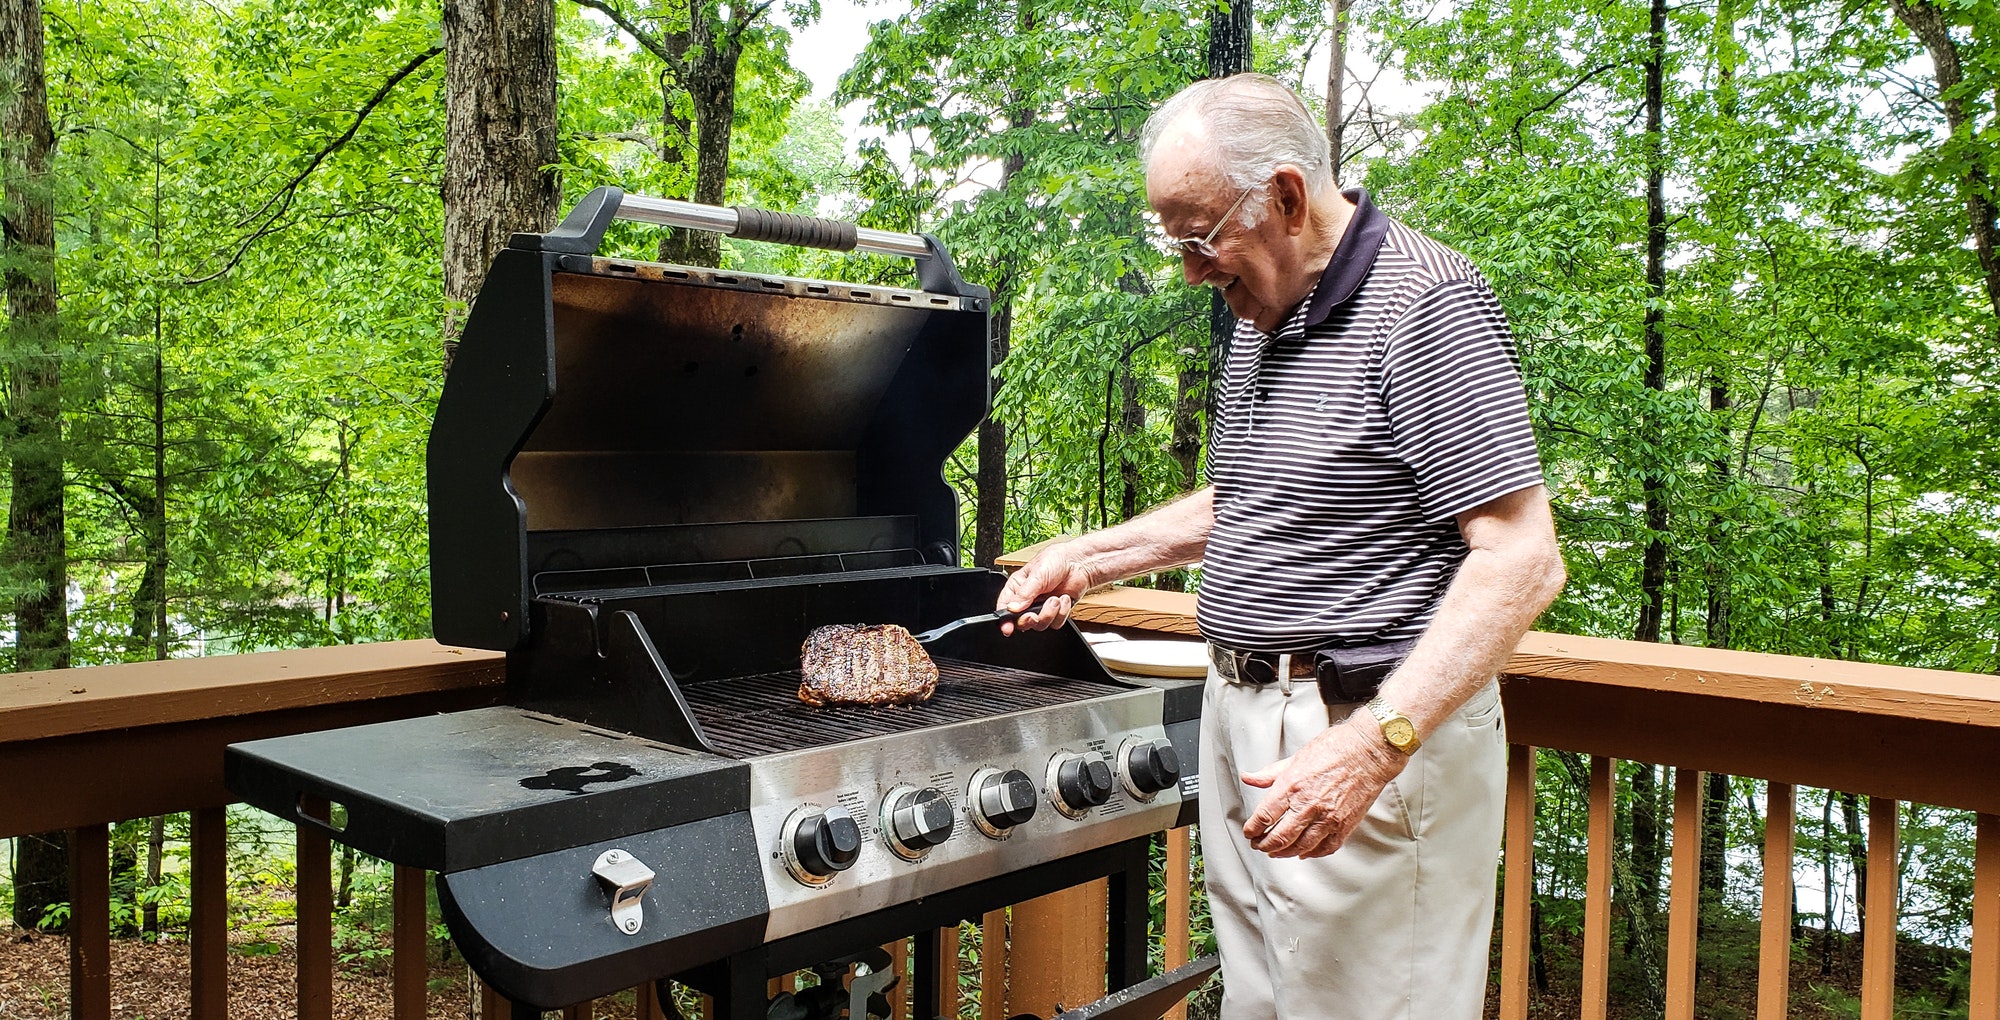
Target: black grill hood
609 423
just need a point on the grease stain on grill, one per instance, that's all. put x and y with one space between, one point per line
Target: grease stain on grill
573 778
744 717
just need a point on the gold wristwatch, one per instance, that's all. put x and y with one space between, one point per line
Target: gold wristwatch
1396 727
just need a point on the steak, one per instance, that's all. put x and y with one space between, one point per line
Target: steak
855 664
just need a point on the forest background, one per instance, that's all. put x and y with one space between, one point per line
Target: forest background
1747 247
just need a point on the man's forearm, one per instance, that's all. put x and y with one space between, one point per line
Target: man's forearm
1491 603
1168 536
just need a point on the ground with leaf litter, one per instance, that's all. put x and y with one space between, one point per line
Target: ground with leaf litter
149 981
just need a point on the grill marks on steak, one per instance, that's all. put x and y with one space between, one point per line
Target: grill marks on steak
855 664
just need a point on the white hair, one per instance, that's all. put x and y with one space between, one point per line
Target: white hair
1253 125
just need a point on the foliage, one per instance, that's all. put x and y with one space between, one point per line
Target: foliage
249 246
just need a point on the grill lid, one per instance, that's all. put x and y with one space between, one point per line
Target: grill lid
607 419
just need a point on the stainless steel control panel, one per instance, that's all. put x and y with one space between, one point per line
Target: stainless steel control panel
895 790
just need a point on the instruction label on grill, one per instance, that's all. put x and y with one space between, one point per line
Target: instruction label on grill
947 782
858 806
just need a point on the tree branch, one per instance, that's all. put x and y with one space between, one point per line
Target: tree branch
669 48
274 208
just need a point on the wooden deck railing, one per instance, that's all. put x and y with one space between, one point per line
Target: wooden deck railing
69 742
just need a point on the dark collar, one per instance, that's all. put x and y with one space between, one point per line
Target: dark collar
1352 258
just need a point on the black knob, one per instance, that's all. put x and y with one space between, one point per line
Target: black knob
1006 799
921 819
1084 780
827 842
1153 766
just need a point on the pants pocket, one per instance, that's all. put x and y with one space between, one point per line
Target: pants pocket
1482 710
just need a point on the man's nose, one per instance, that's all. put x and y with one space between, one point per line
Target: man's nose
1194 268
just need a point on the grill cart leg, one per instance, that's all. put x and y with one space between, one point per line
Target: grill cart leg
741 996
1129 914
926 985
518 1010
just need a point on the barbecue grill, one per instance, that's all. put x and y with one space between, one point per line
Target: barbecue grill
647 484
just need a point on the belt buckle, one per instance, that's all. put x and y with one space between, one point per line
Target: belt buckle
1231 663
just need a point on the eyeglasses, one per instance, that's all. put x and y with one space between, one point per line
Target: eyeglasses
1204 246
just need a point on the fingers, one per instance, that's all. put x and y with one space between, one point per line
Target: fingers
1264 777
1274 805
1053 612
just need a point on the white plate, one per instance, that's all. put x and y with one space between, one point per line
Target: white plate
1155 658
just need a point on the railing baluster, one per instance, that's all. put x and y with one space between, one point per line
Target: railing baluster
581 1011
1985 992
1180 898
1684 899
410 950
90 923
1774 951
647 1001
1878 935
493 1005
1058 956
313 901
993 964
208 915
947 957
1597 890
1519 884
899 965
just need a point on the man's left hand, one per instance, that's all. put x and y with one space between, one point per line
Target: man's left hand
1320 794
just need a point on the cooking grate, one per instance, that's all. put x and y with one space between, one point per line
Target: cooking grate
762 714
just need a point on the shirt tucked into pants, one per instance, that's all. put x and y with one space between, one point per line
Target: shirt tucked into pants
1396 924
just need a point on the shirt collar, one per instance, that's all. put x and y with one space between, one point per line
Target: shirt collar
1352 258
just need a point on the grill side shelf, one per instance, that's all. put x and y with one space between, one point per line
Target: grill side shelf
469 789
539 930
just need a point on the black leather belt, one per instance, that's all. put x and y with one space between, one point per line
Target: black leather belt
1345 675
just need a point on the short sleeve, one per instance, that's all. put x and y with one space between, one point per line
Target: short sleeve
1451 387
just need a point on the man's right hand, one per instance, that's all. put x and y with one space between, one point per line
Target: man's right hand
1055 579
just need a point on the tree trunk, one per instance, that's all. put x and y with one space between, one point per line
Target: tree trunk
708 72
1826 885
1857 855
1131 425
500 138
1714 841
1229 34
1646 856
1926 20
1653 567
989 523
156 847
1336 84
989 527
1190 411
35 555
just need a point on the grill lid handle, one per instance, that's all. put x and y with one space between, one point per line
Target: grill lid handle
582 231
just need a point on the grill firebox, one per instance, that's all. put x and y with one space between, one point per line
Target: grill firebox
647 485
759 715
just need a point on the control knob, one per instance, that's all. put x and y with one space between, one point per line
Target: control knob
818 844
916 820
1080 782
1001 800
1148 766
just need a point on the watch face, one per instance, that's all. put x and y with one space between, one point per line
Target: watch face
1400 732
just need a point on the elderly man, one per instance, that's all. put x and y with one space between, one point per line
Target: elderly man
1374 541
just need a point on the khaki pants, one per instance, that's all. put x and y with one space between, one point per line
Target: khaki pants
1396 924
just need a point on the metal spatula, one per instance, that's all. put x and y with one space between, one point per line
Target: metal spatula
945 628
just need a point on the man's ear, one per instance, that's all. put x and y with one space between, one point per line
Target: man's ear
1290 198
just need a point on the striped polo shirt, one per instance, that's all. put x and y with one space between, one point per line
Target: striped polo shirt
1346 443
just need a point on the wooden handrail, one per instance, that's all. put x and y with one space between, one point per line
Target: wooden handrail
62 702
1894 733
